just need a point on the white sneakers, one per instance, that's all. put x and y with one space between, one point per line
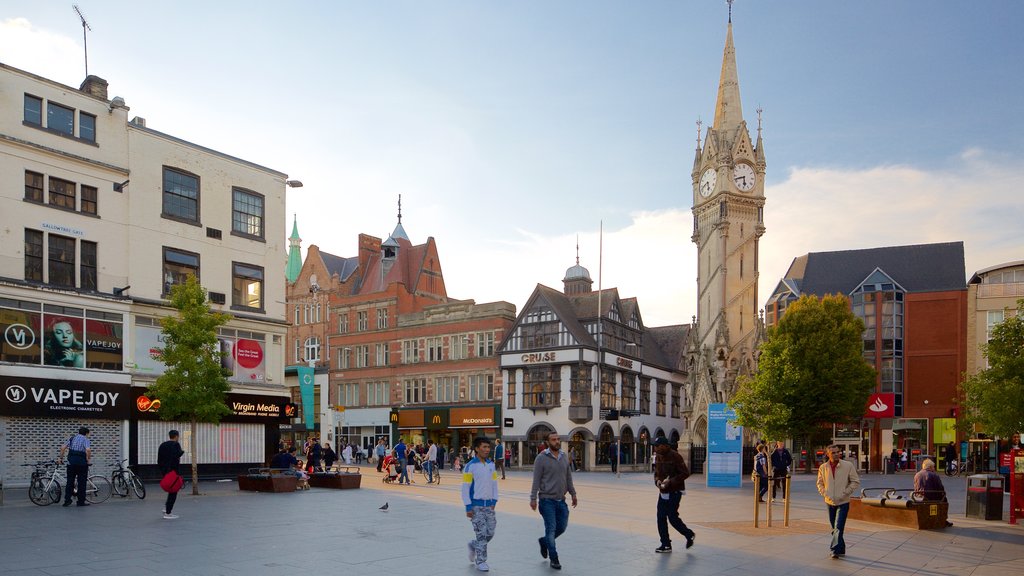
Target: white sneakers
169 516
483 567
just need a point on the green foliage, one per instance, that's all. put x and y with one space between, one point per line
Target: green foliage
993 399
194 387
810 375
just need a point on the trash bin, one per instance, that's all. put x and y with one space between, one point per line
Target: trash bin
985 497
890 465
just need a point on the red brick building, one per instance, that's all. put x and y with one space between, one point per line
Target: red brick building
913 300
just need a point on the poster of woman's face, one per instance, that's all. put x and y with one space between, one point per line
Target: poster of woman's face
63 342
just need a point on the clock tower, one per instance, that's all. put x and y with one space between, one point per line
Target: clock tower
728 221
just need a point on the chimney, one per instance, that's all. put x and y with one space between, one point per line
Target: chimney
139 121
95 86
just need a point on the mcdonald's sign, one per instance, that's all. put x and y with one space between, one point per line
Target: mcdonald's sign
436 418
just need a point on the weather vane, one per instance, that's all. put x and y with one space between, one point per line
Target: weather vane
759 111
729 2
399 208
699 124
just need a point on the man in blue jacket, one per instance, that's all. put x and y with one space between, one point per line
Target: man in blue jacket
480 495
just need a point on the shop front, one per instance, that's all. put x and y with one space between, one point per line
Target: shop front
249 436
453 427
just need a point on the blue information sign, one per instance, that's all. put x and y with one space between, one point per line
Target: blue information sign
725 448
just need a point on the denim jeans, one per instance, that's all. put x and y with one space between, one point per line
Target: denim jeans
430 471
556 520
837 520
403 471
668 513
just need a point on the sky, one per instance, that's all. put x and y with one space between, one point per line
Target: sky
512 129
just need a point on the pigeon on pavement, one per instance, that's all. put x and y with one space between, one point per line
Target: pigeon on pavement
384 507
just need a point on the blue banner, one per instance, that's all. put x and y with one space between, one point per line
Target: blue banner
308 401
725 448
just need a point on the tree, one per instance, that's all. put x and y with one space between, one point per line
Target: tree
811 373
993 399
193 388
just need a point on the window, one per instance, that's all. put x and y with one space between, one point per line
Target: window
510 388
377 394
382 318
88 199
348 394
86 126
362 356
33 110
481 386
298 351
247 286
178 264
62 193
410 351
343 360
609 399
485 344
33 255
541 386
362 321
458 347
446 389
415 390
675 401
181 195
343 322
434 348
645 395
62 261
660 406
33 186
381 352
312 349
628 400
579 385
60 118
247 213
88 265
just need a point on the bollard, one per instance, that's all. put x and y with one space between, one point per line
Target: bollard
757 488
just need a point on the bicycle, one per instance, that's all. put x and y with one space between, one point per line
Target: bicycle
97 488
957 468
44 490
122 479
426 475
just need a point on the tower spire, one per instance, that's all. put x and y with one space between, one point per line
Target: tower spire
294 267
728 110
577 249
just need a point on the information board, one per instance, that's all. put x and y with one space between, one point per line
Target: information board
725 448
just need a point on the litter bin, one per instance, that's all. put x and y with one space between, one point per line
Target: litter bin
985 497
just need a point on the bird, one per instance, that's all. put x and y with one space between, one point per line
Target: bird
384 507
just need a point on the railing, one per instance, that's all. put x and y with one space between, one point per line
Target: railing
1015 289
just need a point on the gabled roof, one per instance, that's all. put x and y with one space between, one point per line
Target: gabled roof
343 267
669 345
585 305
918 268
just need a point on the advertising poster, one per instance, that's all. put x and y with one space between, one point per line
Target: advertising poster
148 342
22 342
725 448
63 338
306 388
103 345
242 359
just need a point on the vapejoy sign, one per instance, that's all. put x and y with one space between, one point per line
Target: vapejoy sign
63 399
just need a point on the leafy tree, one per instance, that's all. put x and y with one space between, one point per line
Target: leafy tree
993 399
810 375
193 388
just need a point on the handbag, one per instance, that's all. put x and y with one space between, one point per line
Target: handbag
172 482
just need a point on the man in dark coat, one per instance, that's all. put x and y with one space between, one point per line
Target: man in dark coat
781 461
168 458
670 474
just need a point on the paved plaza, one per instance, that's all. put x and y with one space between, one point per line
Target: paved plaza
425 531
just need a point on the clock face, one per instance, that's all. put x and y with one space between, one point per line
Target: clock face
707 182
744 178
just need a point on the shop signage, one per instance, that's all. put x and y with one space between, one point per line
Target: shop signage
509 422
540 357
475 417
60 340
244 407
410 419
881 405
63 399
243 359
436 418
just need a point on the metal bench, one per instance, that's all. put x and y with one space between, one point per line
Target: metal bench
899 507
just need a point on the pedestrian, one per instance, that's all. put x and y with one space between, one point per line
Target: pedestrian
613 456
928 484
400 462
168 458
499 456
508 457
79 452
903 460
552 478
837 481
330 456
572 458
781 461
670 474
480 495
430 461
380 451
440 457
761 470
346 454
951 456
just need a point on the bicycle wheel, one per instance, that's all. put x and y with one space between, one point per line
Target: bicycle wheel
37 493
118 485
55 492
138 487
97 489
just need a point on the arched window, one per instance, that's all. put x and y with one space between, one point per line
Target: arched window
536 442
628 446
604 441
312 349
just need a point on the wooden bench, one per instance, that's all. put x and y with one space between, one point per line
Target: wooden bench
268 480
893 508
338 477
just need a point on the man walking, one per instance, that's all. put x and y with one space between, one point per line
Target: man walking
837 481
499 456
781 461
168 458
403 466
670 474
430 461
79 451
380 451
552 478
480 495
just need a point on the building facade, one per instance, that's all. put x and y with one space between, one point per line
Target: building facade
728 222
582 364
913 301
102 216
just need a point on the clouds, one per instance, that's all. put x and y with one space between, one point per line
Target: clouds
40 51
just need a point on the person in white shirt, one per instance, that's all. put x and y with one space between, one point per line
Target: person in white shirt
431 461
346 454
480 496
